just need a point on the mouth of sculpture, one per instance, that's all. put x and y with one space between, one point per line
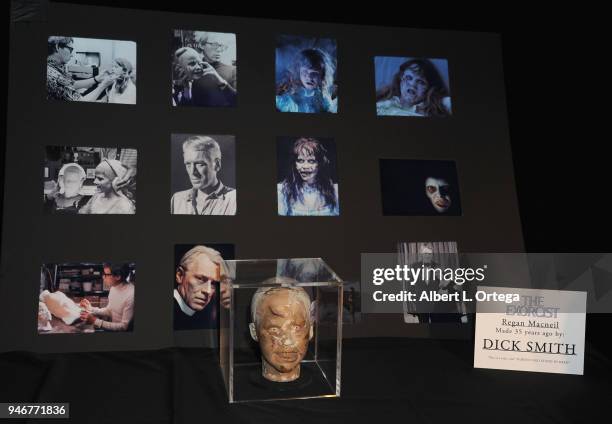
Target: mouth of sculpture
287 356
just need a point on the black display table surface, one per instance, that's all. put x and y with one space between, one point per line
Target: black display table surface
383 380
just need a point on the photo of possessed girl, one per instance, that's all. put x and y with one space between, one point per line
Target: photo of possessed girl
308 183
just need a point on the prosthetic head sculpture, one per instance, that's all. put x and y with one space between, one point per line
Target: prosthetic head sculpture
70 179
282 326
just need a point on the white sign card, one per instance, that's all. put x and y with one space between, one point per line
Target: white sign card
539 330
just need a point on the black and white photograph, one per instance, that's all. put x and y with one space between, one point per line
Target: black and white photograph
204 69
89 180
419 187
307 177
86 297
203 178
91 70
200 284
409 86
432 255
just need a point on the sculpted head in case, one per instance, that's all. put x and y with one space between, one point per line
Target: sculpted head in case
282 326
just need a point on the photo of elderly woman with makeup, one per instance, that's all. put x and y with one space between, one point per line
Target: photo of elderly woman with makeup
68 197
90 180
308 181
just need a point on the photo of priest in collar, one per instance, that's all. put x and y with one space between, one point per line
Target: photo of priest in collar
200 285
203 175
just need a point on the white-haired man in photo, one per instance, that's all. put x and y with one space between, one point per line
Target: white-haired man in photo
198 280
208 195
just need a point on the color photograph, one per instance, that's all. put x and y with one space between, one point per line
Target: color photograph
306 75
200 284
86 298
408 86
307 177
419 187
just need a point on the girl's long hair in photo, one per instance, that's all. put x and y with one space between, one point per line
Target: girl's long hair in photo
293 183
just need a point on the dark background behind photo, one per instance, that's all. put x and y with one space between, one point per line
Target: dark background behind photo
560 158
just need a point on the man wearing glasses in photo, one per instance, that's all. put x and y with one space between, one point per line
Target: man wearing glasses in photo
60 83
217 85
197 280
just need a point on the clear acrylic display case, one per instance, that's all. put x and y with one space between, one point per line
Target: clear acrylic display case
240 355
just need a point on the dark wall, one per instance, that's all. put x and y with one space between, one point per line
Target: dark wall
476 137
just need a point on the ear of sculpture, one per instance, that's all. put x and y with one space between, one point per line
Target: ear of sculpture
253 331
60 182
